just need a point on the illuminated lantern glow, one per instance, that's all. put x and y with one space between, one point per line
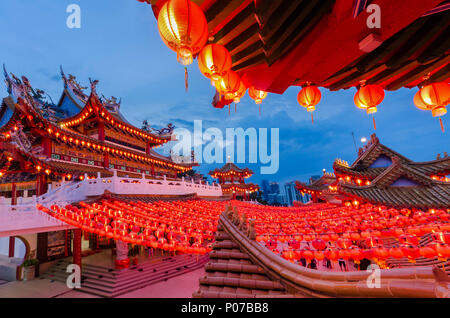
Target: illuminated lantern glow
183 27
368 97
257 95
214 61
434 97
240 92
309 97
229 84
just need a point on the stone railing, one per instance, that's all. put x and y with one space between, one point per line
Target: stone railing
23 218
401 282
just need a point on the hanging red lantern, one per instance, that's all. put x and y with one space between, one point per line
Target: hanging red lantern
344 243
309 96
183 28
214 61
319 244
256 94
368 97
240 92
228 84
434 97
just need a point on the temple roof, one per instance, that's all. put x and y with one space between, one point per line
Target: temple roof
320 184
400 183
231 167
93 107
277 44
366 163
27 106
228 187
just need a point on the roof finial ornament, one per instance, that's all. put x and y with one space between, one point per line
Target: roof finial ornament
228 159
93 85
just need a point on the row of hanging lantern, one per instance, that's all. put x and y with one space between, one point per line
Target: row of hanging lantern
432 97
184 29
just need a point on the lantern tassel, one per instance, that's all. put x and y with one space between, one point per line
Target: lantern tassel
312 118
235 108
186 81
374 123
442 124
259 110
229 110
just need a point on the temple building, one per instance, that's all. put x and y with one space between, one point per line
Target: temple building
232 180
382 176
321 189
80 135
80 148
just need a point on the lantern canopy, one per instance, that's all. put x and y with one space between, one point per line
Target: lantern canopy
183 28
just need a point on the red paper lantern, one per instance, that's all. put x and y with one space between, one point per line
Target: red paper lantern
229 84
309 97
434 97
368 97
256 94
214 61
319 244
183 28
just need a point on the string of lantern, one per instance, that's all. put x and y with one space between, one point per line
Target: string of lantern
183 28
168 226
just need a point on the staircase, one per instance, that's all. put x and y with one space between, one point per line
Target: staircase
106 282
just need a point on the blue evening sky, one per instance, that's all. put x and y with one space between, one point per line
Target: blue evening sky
119 45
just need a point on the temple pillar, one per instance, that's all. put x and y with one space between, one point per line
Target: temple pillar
13 194
101 131
66 243
147 147
47 145
76 247
41 184
12 246
106 160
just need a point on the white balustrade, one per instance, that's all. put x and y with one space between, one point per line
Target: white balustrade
25 216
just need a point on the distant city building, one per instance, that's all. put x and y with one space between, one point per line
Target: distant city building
292 194
265 189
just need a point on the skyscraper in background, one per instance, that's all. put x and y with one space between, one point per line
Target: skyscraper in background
292 194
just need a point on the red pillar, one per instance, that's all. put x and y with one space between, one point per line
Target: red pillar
101 131
12 246
76 255
147 147
106 159
66 243
13 194
41 184
47 145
